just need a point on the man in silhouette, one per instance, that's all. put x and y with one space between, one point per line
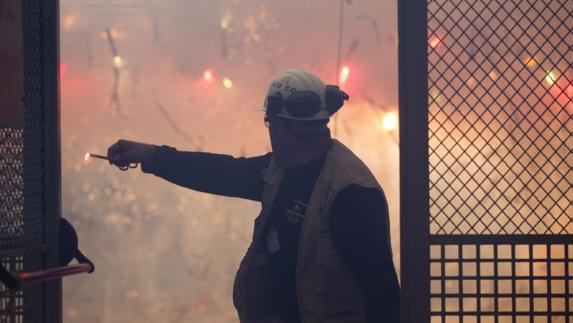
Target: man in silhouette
321 244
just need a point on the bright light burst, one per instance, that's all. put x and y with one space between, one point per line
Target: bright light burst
343 76
208 75
227 83
550 78
225 22
434 41
118 62
390 121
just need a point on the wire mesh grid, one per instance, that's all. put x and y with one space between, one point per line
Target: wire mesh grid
19 228
22 150
501 283
11 301
22 220
500 80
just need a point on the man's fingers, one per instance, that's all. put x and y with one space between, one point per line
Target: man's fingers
126 157
125 152
116 151
112 151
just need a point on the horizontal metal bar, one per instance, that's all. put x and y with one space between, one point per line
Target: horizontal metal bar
501 239
53 273
500 295
500 260
498 313
490 277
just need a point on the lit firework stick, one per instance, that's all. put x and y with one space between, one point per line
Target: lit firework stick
88 156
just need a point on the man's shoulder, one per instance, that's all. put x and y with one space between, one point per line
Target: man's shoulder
347 164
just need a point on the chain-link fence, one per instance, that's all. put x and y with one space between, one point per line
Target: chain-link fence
500 104
500 107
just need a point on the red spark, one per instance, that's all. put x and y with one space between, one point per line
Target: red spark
343 76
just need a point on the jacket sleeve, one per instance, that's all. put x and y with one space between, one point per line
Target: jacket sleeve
360 232
210 173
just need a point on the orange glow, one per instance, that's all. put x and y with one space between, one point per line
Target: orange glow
343 76
530 62
208 75
434 41
471 81
69 21
114 33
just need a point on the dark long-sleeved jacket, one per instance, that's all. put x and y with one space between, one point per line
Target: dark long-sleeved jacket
361 241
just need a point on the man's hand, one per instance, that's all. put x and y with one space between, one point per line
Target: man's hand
125 152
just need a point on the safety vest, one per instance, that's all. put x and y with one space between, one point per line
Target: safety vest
326 289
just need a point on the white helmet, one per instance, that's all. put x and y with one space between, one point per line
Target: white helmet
300 95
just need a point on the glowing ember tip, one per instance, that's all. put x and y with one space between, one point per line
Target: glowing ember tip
390 121
227 83
344 73
87 157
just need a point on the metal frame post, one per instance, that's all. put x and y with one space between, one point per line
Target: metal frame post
414 200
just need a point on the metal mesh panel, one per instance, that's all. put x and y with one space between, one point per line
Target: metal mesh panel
22 150
22 205
501 283
500 106
500 80
11 195
11 302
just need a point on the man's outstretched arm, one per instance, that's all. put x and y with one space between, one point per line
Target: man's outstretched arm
204 172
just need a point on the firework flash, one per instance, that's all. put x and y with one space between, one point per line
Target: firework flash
89 156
